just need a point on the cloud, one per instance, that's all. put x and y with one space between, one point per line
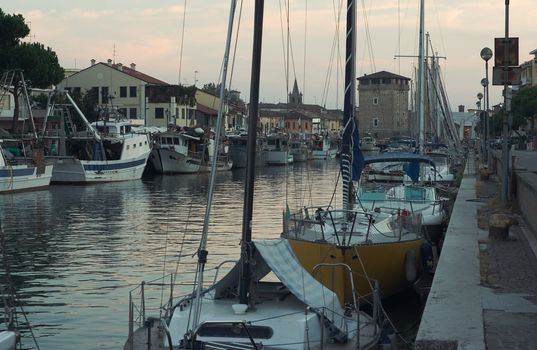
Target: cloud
89 14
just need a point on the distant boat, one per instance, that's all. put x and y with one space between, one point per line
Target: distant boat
19 174
300 149
277 150
187 152
239 149
323 148
368 144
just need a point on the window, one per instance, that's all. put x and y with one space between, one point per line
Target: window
159 113
104 94
122 91
183 113
132 113
375 100
376 122
132 91
123 112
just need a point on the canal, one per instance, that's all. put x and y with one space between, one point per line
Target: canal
75 252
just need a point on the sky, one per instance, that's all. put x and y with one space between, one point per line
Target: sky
150 34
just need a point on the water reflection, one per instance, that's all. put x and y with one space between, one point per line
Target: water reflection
76 251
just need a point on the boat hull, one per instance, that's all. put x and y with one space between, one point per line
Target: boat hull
324 154
20 178
72 170
386 262
167 161
278 157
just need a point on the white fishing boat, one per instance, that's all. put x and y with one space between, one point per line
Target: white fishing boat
187 151
277 149
19 174
246 309
300 150
107 150
322 148
442 173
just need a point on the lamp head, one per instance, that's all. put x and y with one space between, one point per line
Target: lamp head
486 54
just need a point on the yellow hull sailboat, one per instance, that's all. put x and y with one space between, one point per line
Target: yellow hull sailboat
381 245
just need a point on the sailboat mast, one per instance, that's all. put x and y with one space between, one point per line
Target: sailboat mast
202 251
421 78
250 158
349 104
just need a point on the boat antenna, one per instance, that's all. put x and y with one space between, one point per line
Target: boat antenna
349 104
246 248
202 251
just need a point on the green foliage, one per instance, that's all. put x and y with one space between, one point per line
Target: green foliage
39 64
524 105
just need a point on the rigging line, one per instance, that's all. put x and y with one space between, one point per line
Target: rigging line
165 258
333 51
285 67
181 49
368 38
235 46
305 50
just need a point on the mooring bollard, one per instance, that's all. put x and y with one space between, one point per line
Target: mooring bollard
499 226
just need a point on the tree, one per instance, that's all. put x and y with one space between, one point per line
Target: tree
39 64
524 105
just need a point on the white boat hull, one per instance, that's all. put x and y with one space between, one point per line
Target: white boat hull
72 170
167 161
324 154
8 340
278 157
18 178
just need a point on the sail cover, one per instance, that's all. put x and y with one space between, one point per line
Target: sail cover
280 257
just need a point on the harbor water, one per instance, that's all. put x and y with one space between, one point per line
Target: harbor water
75 252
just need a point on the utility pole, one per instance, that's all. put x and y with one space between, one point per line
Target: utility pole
505 132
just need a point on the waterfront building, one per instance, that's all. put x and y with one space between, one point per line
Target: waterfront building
383 98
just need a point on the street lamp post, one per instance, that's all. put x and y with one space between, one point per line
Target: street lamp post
485 83
486 55
482 122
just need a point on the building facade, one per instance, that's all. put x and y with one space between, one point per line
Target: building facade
383 101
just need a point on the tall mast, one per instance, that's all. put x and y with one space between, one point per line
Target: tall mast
202 251
246 248
349 104
421 78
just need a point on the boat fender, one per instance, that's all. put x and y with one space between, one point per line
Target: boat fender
411 271
427 256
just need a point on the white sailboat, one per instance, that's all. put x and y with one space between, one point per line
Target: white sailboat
244 310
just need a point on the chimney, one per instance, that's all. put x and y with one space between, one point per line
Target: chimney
109 62
461 108
92 62
133 66
120 66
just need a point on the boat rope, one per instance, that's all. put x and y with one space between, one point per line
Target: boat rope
181 49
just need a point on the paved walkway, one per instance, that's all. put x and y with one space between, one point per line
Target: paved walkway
484 293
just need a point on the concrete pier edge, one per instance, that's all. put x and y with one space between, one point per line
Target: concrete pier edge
453 314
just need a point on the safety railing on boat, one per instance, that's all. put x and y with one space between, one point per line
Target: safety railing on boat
345 224
150 301
377 311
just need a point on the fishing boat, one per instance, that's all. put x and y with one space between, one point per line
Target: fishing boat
411 197
107 150
300 150
277 149
238 150
376 245
323 148
19 173
187 151
244 310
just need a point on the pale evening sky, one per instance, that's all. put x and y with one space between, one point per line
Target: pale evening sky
148 33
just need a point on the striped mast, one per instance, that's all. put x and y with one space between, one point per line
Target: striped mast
349 104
